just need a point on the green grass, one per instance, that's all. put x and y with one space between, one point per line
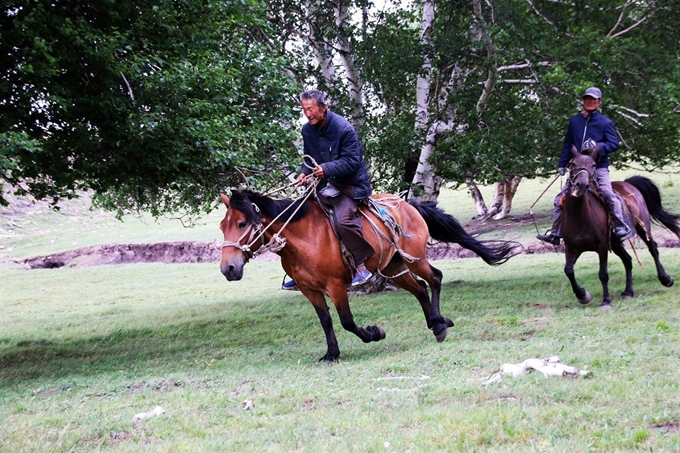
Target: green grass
82 350
77 362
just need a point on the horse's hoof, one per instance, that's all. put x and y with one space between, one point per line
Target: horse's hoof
330 358
378 333
586 298
440 332
667 281
606 305
627 295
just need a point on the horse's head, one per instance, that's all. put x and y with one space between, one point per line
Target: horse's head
581 171
242 234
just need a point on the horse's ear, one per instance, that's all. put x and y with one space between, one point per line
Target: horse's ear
225 199
574 151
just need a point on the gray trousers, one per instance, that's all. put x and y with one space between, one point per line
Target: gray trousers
605 185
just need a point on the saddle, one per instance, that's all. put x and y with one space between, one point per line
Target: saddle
378 208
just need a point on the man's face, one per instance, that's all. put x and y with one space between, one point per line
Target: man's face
590 103
312 111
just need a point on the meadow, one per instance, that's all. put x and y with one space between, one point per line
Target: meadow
234 364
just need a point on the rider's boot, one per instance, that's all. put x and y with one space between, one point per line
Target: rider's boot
622 231
361 276
551 236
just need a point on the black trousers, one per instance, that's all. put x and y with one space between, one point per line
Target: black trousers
348 225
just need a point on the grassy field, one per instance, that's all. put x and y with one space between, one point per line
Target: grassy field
234 364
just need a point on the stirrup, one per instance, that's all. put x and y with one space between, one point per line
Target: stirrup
290 285
549 237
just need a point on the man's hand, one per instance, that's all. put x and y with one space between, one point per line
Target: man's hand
318 172
561 170
302 178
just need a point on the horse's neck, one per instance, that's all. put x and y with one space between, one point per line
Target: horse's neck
295 233
580 209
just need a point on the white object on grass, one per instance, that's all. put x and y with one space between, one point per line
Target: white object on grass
551 366
141 416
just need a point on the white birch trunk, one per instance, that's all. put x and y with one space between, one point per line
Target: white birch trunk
425 180
354 80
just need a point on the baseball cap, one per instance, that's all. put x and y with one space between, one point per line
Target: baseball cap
593 92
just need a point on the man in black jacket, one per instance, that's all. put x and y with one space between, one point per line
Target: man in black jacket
334 144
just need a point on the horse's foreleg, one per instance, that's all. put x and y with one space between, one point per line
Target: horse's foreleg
338 294
620 251
435 321
319 302
582 295
603 275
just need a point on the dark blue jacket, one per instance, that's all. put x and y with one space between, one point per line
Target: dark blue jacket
337 149
596 127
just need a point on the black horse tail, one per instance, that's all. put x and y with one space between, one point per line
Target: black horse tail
444 227
650 192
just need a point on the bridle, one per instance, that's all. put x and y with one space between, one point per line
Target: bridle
574 174
253 233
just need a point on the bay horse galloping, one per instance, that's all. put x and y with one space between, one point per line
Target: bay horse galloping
312 253
586 224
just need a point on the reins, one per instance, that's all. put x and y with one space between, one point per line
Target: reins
277 242
531 213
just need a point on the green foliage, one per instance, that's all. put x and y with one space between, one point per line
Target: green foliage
542 56
150 105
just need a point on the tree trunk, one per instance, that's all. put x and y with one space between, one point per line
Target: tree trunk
478 199
504 192
424 178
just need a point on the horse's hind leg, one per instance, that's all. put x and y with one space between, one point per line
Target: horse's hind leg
665 279
620 251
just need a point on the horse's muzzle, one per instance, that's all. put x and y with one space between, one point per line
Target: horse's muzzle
578 189
232 271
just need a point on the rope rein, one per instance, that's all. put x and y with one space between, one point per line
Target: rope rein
277 242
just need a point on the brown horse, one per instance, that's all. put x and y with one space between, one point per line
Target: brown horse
586 224
312 253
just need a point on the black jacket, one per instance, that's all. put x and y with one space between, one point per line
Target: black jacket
596 127
337 149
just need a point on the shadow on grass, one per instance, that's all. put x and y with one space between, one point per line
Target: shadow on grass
260 334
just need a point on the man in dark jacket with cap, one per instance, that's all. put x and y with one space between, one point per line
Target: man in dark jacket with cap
588 131
334 144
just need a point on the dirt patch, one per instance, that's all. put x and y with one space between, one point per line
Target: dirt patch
209 252
161 252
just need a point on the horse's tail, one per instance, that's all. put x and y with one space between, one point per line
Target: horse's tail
444 227
650 192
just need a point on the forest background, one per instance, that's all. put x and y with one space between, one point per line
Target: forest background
157 106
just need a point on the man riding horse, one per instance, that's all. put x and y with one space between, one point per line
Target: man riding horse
344 182
590 131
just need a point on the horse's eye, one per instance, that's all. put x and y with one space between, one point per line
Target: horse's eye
242 224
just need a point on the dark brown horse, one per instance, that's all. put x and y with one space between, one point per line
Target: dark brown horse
586 225
312 253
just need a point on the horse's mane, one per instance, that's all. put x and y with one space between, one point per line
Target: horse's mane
243 200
